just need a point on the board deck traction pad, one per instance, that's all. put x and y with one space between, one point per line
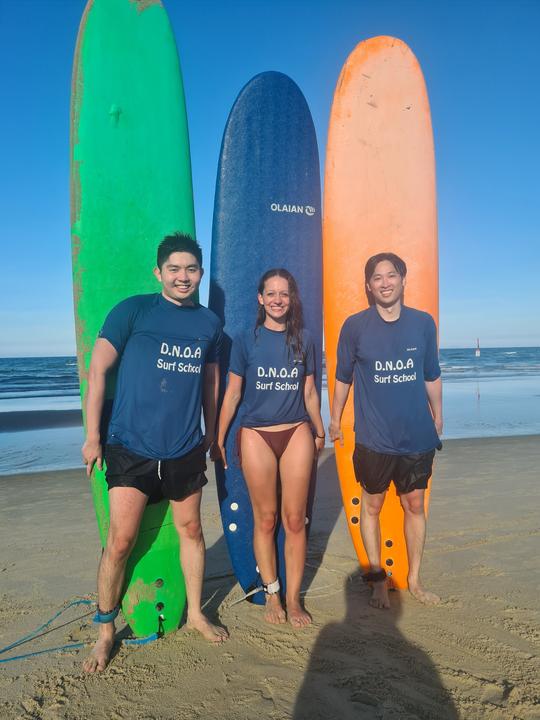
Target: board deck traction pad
130 186
267 214
379 196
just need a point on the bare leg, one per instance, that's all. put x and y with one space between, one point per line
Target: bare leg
371 537
259 465
187 520
295 470
126 510
414 527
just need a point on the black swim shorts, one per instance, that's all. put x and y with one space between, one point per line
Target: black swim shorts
374 471
174 479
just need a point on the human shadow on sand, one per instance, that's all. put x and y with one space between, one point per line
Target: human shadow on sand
219 578
327 507
364 667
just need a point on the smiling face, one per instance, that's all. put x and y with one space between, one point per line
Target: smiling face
180 277
275 299
386 285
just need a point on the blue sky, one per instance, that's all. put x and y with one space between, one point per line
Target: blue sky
481 61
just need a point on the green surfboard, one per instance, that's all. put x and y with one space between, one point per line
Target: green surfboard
130 186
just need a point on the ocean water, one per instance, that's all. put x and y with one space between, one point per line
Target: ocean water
497 394
38 384
494 395
46 390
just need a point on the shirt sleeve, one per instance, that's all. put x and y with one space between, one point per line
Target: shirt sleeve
216 347
432 369
346 353
119 324
238 361
309 356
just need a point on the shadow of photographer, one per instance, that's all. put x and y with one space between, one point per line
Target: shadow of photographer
364 667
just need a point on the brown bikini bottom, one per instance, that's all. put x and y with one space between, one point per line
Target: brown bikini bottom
277 441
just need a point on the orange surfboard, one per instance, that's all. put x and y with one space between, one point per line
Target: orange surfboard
379 197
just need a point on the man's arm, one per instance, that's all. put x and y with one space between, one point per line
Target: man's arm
434 393
341 393
210 401
104 357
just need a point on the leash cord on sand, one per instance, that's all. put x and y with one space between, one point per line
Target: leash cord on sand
73 646
246 596
306 593
42 630
32 635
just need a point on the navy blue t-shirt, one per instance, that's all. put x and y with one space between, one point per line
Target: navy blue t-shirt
389 363
163 348
273 376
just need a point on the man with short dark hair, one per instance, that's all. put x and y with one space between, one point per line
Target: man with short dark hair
390 352
167 346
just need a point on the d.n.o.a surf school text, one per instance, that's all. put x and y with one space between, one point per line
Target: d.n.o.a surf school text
390 367
281 379
183 353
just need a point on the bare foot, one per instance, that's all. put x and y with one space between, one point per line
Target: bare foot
424 596
379 595
212 633
98 659
298 617
274 612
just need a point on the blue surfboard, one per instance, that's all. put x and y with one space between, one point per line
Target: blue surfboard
267 213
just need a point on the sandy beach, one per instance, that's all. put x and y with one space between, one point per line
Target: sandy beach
474 656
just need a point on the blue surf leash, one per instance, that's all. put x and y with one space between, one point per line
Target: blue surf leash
71 646
32 635
43 630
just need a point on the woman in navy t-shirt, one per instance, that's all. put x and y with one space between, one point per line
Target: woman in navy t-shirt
275 364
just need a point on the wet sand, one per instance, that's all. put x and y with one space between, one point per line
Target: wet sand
17 420
474 656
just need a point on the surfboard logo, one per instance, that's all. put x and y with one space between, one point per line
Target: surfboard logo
308 210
